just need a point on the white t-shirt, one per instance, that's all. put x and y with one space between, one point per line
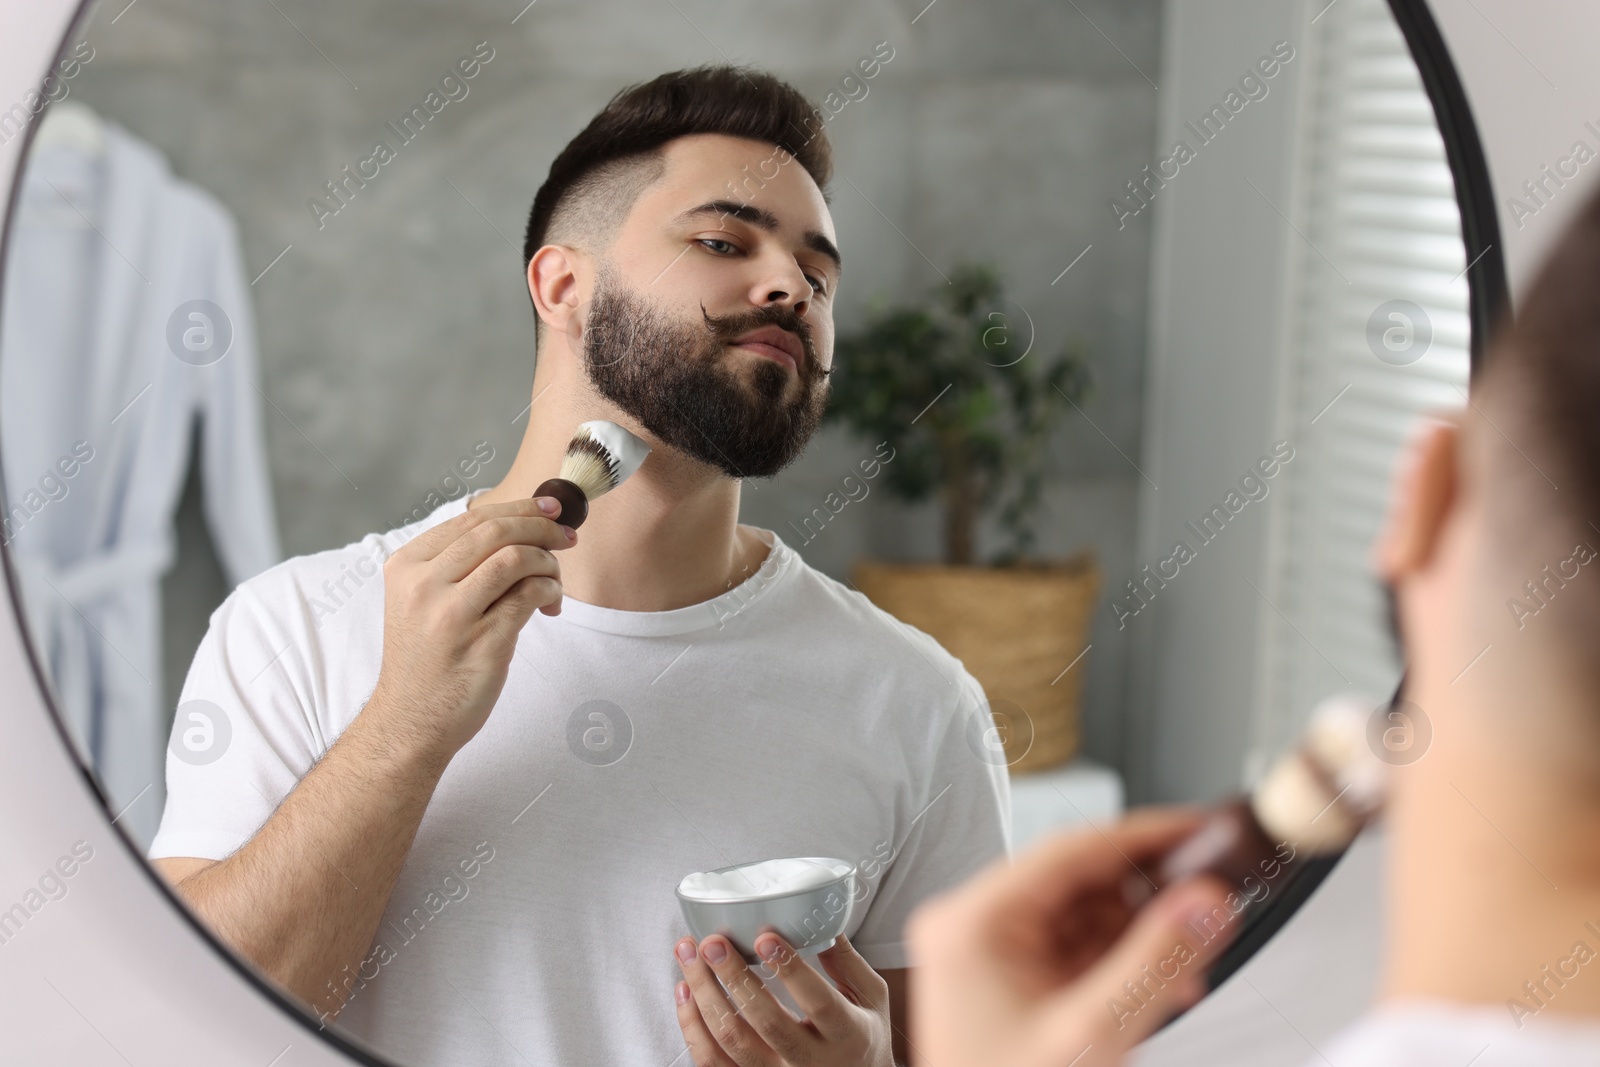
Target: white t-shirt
534 919
1419 1033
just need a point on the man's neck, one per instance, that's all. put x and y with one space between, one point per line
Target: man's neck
666 538
1494 874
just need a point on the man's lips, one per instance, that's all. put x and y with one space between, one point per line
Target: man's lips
770 351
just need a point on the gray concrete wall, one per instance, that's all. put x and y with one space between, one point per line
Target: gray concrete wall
399 334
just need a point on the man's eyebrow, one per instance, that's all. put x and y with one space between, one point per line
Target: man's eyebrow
763 218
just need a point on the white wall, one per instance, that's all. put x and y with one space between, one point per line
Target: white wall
1533 84
1220 268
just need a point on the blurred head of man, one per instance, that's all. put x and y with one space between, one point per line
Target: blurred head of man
1492 542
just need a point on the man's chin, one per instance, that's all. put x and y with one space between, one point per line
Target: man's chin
747 366
761 357
725 459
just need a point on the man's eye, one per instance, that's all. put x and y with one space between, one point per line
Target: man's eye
819 284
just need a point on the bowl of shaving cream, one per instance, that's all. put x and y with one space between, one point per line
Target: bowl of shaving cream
806 900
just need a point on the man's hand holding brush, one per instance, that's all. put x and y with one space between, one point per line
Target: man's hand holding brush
1040 961
455 598
457 595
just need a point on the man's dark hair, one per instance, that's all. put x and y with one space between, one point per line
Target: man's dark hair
1545 370
598 176
1538 404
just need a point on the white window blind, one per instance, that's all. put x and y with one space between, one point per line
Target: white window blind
1376 205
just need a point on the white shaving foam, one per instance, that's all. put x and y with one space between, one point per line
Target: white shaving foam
628 449
768 878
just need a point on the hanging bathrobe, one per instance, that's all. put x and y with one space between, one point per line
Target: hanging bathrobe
126 314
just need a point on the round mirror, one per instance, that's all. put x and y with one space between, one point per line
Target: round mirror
1058 501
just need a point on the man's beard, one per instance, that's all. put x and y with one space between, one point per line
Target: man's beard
1391 605
674 377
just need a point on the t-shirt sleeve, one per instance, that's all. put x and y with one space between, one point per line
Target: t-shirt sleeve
244 733
962 825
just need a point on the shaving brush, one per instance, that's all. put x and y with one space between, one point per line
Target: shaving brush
600 456
1313 801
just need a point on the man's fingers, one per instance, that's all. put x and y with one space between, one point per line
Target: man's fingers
702 1046
1155 969
516 605
1050 874
468 557
733 1035
853 974
430 542
824 1007
773 1023
1104 854
500 573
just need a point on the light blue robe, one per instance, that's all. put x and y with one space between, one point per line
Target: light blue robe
106 246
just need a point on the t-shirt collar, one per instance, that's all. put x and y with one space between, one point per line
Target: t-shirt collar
707 614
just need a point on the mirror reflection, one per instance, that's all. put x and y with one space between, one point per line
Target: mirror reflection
1057 499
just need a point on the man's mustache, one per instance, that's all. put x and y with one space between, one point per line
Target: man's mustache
729 327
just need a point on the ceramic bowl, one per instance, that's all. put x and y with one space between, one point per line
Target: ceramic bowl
808 919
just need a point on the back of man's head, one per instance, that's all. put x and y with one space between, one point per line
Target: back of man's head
1532 437
595 181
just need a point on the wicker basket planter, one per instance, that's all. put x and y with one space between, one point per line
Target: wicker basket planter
1016 629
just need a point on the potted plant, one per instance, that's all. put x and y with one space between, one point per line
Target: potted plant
953 385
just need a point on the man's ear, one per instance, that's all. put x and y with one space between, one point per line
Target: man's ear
1422 496
553 283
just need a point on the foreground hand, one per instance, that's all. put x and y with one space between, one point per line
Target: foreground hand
1040 963
747 1027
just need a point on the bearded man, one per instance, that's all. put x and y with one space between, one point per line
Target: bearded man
451 814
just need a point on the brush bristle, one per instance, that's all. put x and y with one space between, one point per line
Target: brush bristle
590 466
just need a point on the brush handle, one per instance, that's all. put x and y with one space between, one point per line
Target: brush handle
574 505
1230 845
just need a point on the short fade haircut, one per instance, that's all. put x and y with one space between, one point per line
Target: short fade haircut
1538 401
600 174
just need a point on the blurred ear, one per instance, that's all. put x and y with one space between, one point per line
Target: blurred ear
1422 496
